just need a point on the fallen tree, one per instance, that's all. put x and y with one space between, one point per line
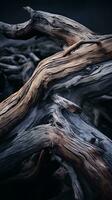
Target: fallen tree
62 109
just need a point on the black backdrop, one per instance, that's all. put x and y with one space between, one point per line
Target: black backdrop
95 14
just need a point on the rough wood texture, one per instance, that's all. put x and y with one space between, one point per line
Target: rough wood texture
62 108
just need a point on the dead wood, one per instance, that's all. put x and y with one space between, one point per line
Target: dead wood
62 106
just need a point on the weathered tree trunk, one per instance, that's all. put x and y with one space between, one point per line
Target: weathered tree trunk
64 108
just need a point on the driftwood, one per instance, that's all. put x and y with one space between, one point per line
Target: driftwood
58 113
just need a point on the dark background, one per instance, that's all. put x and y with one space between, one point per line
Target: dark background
95 14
